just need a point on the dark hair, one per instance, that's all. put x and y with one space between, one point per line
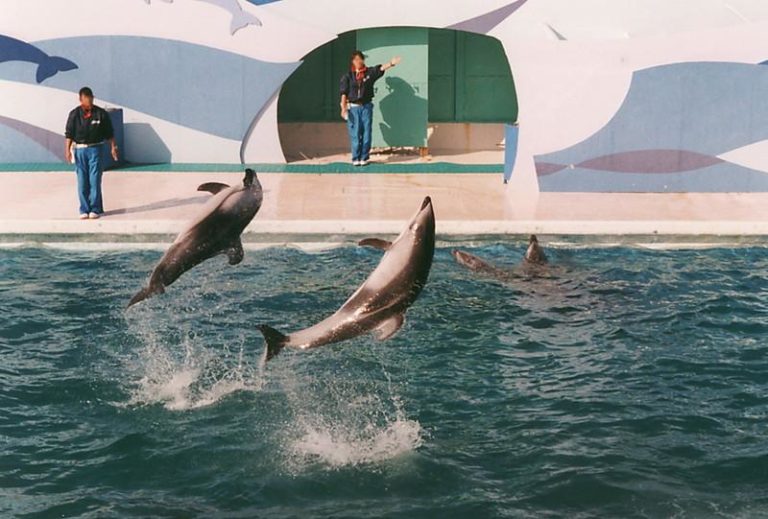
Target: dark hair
85 91
356 54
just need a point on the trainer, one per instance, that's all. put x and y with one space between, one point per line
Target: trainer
356 88
88 128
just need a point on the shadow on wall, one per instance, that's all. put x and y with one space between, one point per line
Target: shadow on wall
404 113
144 145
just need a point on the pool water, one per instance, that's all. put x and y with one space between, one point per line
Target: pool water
619 382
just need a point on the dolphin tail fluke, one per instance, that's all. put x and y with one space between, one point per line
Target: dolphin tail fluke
53 66
241 20
145 293
275 340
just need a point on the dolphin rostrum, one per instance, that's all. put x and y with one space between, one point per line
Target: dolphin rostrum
12 49
379 305
216 230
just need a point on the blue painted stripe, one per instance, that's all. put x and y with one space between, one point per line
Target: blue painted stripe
720 178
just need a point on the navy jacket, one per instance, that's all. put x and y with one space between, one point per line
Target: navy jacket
95 129
360 92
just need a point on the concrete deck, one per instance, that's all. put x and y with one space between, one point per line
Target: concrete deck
338 204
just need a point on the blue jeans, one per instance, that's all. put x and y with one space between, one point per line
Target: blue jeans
89 172
360 125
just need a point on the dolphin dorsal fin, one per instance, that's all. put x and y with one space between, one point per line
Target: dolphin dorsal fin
212 187
375 243
390 327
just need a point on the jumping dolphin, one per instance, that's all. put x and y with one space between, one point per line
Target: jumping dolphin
240 18
380 303
534 256
12 49
216 230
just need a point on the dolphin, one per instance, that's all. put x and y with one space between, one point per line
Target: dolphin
12 49
380 303
240 18
216 230
534 256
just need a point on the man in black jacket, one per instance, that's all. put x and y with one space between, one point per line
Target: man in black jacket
356 87
88 128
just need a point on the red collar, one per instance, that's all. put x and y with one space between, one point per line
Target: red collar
360 74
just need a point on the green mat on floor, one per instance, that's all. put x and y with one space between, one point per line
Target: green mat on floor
336 167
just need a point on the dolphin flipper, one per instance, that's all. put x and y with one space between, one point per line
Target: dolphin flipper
235 252
375 243
212 187
52 66
390 327
275 341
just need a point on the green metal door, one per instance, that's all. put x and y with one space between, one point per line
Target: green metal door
469 79
401 105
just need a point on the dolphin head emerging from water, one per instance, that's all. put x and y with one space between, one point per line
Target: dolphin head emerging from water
534 254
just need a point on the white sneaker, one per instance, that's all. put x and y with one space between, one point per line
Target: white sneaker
357 162
364 162
83 216
93 216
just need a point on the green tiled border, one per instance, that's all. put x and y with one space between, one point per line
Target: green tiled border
335 167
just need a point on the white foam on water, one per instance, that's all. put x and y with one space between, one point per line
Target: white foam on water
346 422
191 379
340 445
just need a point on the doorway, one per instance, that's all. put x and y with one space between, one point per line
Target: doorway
452 99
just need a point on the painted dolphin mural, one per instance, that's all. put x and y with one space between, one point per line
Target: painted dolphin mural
697 116
181 77
12 49
216 230
379 305
240 18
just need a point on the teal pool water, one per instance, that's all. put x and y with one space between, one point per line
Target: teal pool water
621 383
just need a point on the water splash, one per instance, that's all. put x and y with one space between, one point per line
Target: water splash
342 420
189 375
344 444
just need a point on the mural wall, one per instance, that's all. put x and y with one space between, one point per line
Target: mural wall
614 95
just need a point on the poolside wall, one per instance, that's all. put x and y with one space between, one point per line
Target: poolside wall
614 96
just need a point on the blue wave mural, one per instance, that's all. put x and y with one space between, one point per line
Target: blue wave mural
198 87
720 178
674 122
